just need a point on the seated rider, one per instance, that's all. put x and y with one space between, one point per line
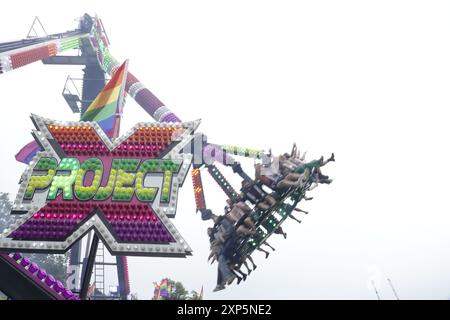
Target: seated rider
272 177
239 212
224 227
314 166
225 273
215 245
252 192
295 155
222 248
291 163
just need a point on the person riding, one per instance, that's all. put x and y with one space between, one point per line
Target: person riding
293 163
239 212
275 180
314 167
225 236
252 192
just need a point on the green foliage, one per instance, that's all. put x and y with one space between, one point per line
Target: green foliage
134 296
194 295
5 208
55 264
179 292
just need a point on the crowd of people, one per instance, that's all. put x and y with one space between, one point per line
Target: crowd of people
241 214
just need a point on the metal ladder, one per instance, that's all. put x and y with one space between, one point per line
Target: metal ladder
99 270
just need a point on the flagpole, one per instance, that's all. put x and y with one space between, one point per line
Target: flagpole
158 294
376 291
120 102
393 289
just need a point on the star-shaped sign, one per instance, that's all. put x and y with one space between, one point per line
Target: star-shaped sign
125 189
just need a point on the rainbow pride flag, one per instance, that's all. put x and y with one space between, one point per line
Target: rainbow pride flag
164 289
107 107
156 292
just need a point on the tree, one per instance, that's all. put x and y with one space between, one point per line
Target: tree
134 296
5 208
55 264
178 291
194 295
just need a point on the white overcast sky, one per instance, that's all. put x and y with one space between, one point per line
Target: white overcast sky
368 80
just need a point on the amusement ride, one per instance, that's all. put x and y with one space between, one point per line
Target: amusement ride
85 180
